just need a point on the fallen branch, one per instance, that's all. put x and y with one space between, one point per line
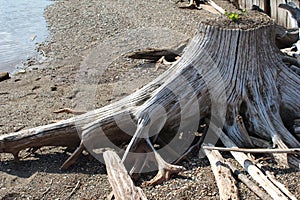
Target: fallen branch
73 191
244 150
250 184
277 183
226 183
215 6
120 181
251 168
155 54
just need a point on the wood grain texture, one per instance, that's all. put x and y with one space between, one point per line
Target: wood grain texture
120 181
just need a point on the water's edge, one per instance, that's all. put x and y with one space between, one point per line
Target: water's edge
22 28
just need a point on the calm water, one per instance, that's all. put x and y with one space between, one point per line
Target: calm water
22 24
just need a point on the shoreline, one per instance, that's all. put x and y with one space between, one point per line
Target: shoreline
22 32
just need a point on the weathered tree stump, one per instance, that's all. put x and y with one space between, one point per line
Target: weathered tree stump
231 74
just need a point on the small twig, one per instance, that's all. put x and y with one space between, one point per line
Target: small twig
73 191
292 150
20 128
69 111
48 189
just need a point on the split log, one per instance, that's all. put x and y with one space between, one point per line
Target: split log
234 76
123 187
225 181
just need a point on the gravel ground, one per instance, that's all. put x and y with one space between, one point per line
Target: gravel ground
79 30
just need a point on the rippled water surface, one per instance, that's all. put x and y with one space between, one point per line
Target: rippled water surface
22 24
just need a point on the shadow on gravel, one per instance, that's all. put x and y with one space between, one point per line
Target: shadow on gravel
50 163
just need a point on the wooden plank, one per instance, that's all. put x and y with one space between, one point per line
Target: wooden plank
250 184
120 181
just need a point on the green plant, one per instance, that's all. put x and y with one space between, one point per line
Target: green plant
233 16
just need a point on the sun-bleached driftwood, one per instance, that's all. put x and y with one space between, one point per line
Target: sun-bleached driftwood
122 185
250 184
231 77
273 179
293 9
154 54
251 168
225 181
244 150
215 6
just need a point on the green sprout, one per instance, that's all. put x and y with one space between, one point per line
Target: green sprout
232 16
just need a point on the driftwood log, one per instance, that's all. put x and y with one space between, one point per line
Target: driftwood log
232 77
225 181
123 187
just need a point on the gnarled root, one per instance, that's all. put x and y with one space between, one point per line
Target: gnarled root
165 170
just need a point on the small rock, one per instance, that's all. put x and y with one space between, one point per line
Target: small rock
36 87
53 88
21 71
4 76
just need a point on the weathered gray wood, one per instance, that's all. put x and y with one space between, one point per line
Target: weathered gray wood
215 6
286 37
59 134
250 184
251 168
120 181
245 150
273 179
294 10
297 126
225 181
